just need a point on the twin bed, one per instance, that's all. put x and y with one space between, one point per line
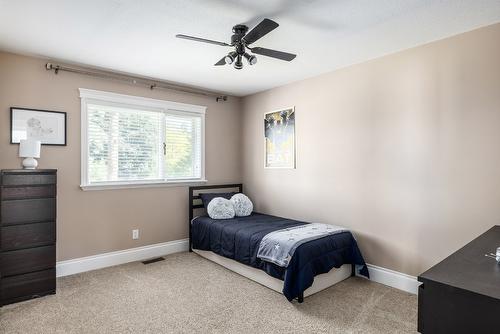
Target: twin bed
234 243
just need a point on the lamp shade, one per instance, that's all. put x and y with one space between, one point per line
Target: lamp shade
29 148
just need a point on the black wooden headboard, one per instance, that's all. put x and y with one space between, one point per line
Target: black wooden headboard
194 200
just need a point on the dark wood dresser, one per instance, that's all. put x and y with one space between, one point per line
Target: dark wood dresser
27 234
461 294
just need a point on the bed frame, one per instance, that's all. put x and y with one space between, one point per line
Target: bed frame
321 282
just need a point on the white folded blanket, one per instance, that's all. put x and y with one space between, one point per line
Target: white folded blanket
278 246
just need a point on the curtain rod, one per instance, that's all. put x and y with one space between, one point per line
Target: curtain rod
134 80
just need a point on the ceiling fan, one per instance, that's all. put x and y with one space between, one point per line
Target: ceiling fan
241 40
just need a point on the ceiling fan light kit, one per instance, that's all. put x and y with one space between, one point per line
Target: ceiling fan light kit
252 60
238 64
241 40
230 58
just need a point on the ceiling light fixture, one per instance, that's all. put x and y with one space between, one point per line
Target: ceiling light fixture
229 59
252 60
238 64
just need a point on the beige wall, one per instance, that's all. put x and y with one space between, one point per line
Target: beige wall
404 150
94 222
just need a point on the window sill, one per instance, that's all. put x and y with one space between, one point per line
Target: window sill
111 186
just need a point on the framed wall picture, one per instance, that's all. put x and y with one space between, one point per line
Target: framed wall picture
279 133
47 126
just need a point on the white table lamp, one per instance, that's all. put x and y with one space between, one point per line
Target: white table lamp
29 149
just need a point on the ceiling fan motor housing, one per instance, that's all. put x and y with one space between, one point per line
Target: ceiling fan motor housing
240 29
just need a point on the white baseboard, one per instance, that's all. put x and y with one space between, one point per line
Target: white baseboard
75 266
393 279
64 268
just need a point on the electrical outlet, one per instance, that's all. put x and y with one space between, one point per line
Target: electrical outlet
135 234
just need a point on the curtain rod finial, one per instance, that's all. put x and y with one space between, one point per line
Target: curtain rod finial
221 98
50 66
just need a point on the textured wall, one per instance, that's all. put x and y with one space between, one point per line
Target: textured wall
404 150
94 222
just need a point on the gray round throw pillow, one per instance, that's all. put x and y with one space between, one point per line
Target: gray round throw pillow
243 206
220 208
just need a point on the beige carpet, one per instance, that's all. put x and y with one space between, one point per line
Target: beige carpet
188 294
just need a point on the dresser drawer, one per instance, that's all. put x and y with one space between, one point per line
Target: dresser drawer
22 287
27 260
28 179
28 211
26 192
27 235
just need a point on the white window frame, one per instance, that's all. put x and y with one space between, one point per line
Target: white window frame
94 96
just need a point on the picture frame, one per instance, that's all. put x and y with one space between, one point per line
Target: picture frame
45 125
280 139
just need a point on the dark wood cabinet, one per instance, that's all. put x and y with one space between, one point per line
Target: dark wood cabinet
27 234
461 294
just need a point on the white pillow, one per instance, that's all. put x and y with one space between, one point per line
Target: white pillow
220 208
243 206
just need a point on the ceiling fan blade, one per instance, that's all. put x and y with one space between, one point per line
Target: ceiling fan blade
204 40
260 30
221 62
273 53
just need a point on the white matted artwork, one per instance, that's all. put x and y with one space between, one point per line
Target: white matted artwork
279 133
49 127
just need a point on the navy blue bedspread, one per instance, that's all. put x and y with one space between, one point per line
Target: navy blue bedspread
239 239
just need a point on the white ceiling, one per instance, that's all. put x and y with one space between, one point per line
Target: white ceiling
138 36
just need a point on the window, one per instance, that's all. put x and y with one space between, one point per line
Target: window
131 141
